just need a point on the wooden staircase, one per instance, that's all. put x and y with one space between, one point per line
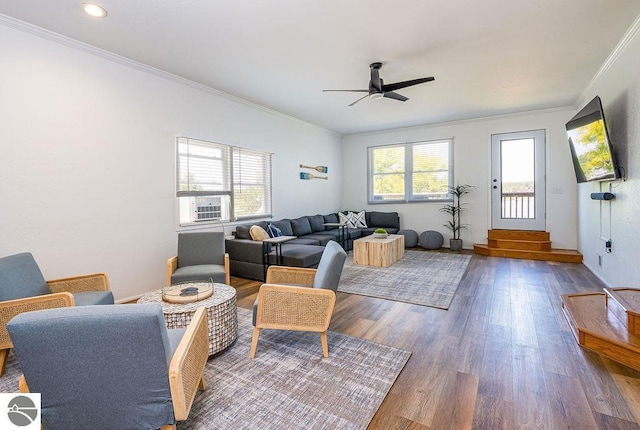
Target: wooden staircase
525 244
607 323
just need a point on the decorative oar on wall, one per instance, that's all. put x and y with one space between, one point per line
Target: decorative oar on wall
321 169
304 175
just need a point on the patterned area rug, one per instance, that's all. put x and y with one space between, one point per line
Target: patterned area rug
420 277
288 385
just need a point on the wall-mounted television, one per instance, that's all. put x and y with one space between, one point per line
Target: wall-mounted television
591 150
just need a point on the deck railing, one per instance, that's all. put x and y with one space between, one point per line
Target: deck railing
518 205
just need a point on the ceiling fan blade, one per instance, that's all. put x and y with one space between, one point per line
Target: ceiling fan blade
364 97
375 84
395 96
350 91
404 84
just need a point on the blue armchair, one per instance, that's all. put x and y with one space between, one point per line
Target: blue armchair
110 367
299 299
23 289
201 256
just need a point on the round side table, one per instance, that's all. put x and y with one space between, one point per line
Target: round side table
222 314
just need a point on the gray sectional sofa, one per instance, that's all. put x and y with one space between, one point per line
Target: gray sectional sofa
249 258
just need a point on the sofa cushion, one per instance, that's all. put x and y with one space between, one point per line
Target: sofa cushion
334 233
319 238
358 218
354 233
301 226
331 218
369 231
317 223
301 255
258 233
347 219
304 241
242 231
273 230
285 227
21 277
201 272
88 298
384 219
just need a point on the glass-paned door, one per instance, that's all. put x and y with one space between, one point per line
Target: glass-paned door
518 180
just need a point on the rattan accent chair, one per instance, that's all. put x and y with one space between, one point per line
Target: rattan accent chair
201 257
110 367
23 289
299 299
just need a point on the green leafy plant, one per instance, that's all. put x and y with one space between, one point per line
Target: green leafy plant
380 231
455 209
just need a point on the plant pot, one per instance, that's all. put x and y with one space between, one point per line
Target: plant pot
380 235
455 245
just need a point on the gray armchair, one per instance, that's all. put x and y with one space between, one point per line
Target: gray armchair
286 301
110 367
201 256
23 289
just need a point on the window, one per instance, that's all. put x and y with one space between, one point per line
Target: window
218 182
410 172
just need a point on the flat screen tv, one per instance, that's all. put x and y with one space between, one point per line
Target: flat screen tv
591 150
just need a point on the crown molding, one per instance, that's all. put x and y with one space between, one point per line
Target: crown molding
60 39
622 45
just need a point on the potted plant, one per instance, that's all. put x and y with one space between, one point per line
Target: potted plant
380 233
454 210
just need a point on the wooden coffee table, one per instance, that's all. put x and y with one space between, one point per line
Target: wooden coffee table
370 251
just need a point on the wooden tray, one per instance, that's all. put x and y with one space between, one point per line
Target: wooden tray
173 294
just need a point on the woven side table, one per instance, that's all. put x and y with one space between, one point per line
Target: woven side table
222 314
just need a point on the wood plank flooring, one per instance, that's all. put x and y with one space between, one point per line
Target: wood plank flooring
501 357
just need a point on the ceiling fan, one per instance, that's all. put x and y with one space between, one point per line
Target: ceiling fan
378 89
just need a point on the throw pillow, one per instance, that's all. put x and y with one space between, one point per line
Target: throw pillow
358 219
258 233
346 219
273 231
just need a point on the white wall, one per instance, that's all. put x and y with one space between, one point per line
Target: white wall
618 85
87 158
472 165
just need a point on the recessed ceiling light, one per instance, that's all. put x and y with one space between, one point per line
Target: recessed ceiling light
94 10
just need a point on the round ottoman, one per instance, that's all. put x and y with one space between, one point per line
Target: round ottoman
431 239
410 238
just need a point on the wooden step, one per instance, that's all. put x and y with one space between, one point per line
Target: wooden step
525 245
519 235
596 328
625 304
559 255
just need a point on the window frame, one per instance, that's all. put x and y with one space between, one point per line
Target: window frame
408 196
230 185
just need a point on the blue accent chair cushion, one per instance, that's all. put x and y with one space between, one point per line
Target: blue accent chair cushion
97 367
21 277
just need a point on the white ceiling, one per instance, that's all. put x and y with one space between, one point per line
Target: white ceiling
489 57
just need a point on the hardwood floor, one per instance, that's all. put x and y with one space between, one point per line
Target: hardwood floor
501 357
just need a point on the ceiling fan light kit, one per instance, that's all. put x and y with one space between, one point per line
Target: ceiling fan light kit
378 89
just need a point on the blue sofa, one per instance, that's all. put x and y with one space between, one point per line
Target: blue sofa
248 258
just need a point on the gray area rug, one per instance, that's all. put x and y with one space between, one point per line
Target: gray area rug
420 277
288 385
